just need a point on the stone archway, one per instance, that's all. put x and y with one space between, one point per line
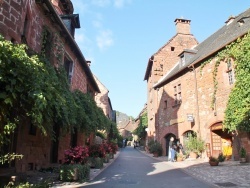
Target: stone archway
221 141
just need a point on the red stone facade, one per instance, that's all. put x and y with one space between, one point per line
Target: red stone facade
24 22
158 65
177 97
102 99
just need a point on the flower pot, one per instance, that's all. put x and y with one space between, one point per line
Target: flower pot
214 163
178 159
193 155
243 160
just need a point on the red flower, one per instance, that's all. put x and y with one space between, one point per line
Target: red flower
76 155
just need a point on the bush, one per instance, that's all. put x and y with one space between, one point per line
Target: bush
95 162
155 147
97 150
221 157
74 172
243 152
194 144
114 147
213 159
76 155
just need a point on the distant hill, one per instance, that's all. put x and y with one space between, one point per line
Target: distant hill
122 119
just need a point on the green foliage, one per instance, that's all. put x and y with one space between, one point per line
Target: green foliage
155 147
96 162
44 184
237 113
75 172
213 159
140 130
100 134
32 89
221 157
9 157
243 152
194 144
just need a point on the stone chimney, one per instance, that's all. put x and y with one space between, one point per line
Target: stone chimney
88 63
182 25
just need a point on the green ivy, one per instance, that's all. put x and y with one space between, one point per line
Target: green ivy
31 88
237 113
140 130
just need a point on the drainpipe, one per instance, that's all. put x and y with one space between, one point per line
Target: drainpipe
197 103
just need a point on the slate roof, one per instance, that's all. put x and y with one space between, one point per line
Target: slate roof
224 36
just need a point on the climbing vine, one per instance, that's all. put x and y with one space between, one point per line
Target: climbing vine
237 113
140 130
31 89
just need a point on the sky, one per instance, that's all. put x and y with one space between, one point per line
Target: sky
119 36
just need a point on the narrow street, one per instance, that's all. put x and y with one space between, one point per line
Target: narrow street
134 169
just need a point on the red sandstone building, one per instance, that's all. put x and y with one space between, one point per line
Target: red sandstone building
28 21
180 93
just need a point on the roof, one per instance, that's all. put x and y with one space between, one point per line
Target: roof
217 41
150 61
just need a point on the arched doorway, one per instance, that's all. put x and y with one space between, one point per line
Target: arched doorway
221 141
187 134
167 139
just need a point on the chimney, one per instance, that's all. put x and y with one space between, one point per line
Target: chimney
88 63
182 25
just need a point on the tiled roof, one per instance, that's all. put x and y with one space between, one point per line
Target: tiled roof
224 36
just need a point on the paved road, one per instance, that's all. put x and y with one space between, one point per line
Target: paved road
134 169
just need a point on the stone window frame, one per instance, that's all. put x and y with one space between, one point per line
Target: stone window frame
177 94
69 69
229 71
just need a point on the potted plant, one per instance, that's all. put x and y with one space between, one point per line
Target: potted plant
155 148
194 146
243 155
221 157
213 161
179 157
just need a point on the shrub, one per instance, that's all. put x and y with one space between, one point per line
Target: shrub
243 152
74 172
194 144
107 147
96 162
97 150
221 157
213 159
76 155
155 147
114 147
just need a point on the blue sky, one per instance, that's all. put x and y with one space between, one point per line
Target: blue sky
119 36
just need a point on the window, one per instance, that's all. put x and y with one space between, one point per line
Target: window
182 60
32 130
172 48
166 104
68 65
177 94
230 72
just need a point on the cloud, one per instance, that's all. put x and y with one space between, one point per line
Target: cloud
104 39
121 3
101 3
